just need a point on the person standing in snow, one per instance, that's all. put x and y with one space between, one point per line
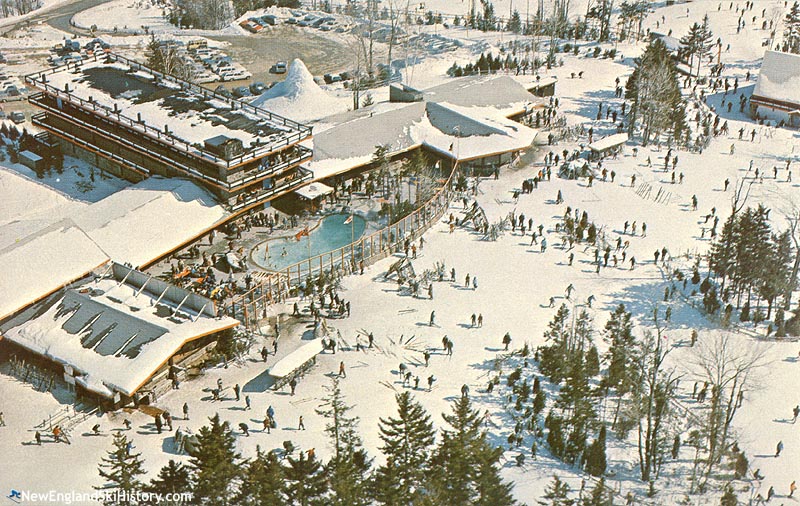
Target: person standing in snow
795 412
433 319
246 402
293 385
185 411
38 438
480 320
342 372
2 420
792 488
301 425
237 391
507 340
427 357
779 449
474 283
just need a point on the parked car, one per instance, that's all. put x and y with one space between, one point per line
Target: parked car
258 88
241 91
281 67
17 117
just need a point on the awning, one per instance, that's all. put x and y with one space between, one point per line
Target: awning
314 191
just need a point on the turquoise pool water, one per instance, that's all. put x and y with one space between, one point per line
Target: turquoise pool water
332 233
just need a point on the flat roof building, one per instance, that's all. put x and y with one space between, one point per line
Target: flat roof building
135 121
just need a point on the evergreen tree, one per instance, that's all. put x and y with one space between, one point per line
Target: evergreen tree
407 442
262 481
655 96
729 496
791 35
596 455
172 479
514 22
215 464
553 356
306 484
600 495
348 469
556 494
121 470
465 464
488 20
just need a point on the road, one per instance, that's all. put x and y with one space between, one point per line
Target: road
58 17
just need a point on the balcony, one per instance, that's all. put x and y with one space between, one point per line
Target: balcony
299 155
253 198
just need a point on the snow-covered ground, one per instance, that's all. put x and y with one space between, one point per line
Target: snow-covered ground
516 282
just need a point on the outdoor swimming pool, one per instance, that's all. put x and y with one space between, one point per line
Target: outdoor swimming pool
331 233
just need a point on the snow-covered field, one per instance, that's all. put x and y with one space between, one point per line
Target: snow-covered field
516 282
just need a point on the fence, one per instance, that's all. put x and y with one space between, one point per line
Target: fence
368 250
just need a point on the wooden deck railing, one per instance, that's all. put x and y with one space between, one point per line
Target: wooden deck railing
369 249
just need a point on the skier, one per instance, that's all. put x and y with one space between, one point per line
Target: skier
301 425
342 373
168 419
237 390
245 430
792 487
590 300
427 356
185 411
507 340
474 283
293 384
371 339
2 420
96 429
466 281
472 323
246 403
480 320
38 438
433 318
570 288
464 390
158 423
795 412
779 449
430 291
267 425
264 353
431 379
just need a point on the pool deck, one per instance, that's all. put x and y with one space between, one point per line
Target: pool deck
258 235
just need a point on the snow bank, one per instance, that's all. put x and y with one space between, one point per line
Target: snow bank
298 97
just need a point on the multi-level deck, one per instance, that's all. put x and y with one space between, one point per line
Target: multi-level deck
140 122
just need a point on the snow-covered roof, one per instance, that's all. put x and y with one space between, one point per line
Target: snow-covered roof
112 334
140 98
459 132
43 262
500 92
314 190
779 78
143 222
27 206
609 142
291 362
137 225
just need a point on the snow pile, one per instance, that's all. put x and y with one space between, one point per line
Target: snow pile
298 97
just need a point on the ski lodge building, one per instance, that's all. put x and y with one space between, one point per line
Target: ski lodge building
135 122
776 96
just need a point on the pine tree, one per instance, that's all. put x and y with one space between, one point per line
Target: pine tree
490 488
596 455
306 484
600 495
121 469
262 481
215 464
655 96
514 22
172 479
791 36
556 494
465 464
407 442
348 469
729 496
553 357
